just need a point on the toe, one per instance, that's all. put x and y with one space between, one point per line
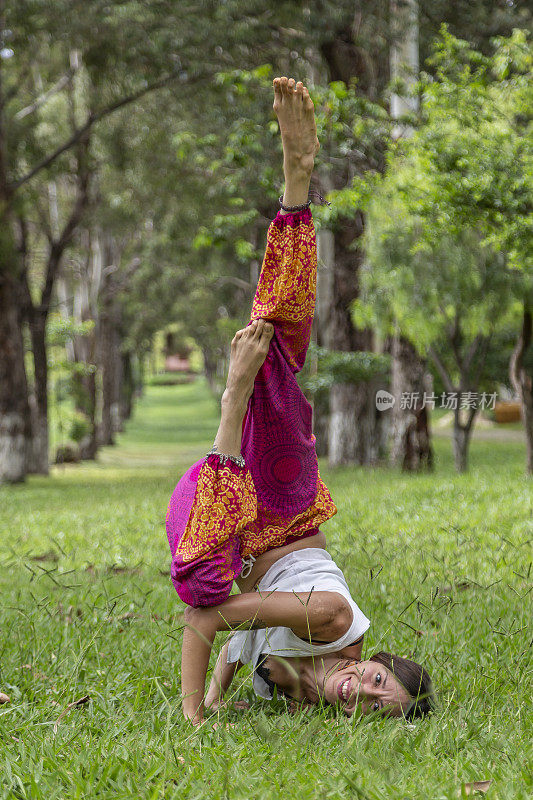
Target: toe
259 328
290 85
308 103
283 81
299 89
277 93
250 329
268 332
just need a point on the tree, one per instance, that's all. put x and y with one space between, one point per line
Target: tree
90 60
45 38
435 267
411 445
357 42
489 180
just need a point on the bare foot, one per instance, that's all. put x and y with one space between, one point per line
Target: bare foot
249 348
296 117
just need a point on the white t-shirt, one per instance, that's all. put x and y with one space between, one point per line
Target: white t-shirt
300 571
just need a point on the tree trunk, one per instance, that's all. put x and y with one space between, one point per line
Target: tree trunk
15 424
39 455
523 383
140 381
460 447
118 376
321 423
107 364
461 438
343 424
411 444
89 444
321 328
109 345
404 60
127 387
82 350
354 430
345 60
210 368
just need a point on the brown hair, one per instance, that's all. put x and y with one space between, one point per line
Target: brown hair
414 678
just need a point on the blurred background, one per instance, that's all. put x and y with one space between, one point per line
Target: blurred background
140 166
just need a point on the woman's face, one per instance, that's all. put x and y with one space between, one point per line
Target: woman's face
368 685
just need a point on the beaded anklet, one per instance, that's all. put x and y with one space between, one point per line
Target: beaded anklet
294 209
223 458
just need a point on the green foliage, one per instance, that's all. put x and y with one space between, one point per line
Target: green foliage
449 223
168 379
79 427
344 203
87 573
477 139
342 367
60 329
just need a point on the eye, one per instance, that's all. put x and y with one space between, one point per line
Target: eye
378 678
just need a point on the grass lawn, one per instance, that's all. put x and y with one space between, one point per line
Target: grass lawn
440 563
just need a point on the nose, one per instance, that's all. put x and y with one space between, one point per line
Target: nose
363 688
358 690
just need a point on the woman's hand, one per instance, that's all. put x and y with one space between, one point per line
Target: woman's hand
299 707
224 705
221 679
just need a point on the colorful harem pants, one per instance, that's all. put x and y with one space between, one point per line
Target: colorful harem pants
225 509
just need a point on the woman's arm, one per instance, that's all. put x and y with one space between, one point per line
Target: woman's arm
322 615
198 638
221 679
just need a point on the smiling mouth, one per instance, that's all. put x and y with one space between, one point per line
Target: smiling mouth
344 690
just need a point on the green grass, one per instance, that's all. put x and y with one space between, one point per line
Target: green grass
440 563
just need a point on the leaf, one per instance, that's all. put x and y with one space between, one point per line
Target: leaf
50 555
81 701
477 786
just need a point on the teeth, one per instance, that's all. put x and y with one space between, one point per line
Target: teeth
345 689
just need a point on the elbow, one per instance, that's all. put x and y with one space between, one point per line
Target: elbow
341 623
336 618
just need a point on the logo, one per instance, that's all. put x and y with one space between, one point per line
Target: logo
384 400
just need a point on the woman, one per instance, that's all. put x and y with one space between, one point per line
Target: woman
250 510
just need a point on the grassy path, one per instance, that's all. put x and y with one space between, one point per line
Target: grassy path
440 563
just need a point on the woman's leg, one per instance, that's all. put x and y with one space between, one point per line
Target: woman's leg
216 499
295 112
249 349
